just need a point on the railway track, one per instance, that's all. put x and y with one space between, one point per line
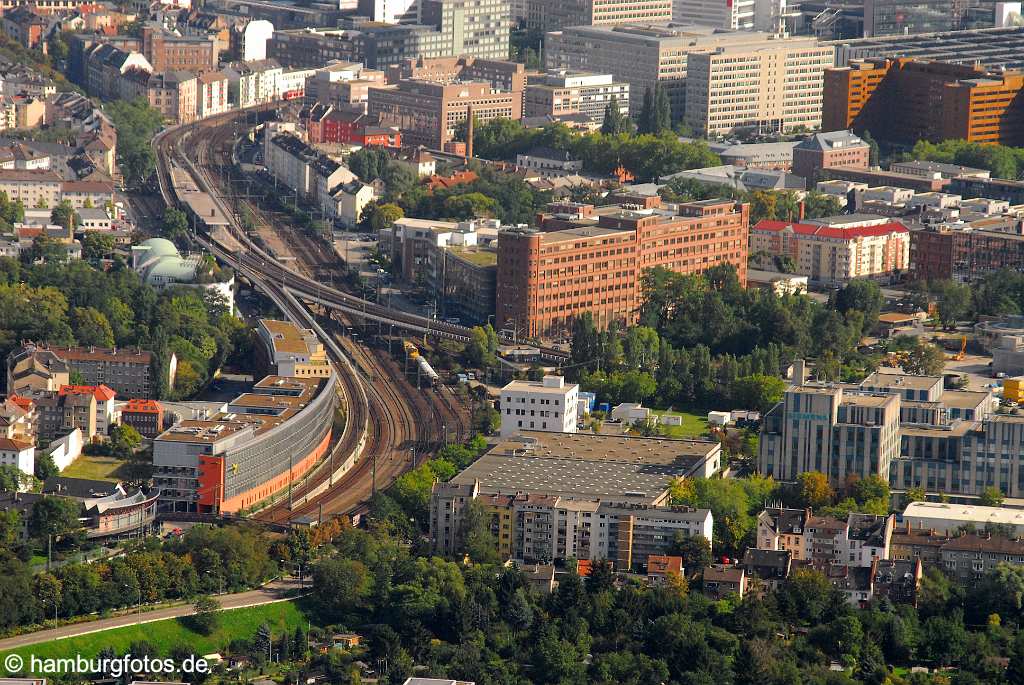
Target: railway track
385 413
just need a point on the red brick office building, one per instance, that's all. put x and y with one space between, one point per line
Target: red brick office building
546 279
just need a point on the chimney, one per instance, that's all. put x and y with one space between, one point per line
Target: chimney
469 132
802 210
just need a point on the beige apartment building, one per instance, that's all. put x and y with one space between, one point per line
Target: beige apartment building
428 112
34 187
545 15
561 93
771 86
645 56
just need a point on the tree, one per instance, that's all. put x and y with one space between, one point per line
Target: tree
124 440
814 490
91 327
45 467
615 122
475 537
11 479
479 354
695 550
873 153
136 123
640 348
64 215
818 205
873 488
96 245
10 527
520 612
368 163
991 497
486 419
341 586
758 391
261 643
862 295
54 516
383 216
924 359
207 614
914 494
662 111
646 122
954 302
175 224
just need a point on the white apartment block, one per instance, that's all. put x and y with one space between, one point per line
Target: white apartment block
18 453
546 405
252 83
291 84
211 94
566 92
391 11
742 15
545 15
769 86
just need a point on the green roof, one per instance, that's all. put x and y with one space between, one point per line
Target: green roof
477 257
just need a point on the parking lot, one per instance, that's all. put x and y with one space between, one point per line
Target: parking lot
975 368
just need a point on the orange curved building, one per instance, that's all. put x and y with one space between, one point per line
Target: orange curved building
265 440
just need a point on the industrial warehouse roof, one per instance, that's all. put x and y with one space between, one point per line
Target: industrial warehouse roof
930 514
586 465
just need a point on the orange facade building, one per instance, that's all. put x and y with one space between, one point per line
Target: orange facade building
904 101
547 279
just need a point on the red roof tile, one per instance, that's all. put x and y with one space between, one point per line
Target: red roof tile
831 231
101 392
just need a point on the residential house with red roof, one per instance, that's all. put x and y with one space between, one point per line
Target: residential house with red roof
106 415
835 250
145 416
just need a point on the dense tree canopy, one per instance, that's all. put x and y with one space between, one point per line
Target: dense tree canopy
78 304
647 155
136 122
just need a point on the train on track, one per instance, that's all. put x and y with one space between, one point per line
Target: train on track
425 374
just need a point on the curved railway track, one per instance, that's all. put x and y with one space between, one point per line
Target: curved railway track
391 421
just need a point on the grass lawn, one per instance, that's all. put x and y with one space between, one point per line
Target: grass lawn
173 632
94 467
693 426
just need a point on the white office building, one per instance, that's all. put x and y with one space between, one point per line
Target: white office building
546 405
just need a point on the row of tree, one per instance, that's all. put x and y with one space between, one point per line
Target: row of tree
1001 160
647 156
205 560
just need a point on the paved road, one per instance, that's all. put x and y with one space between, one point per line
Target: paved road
272 592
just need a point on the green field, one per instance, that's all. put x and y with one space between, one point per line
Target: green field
693 426
168 634
94 467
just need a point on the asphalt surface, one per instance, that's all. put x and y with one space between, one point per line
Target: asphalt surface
268 594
